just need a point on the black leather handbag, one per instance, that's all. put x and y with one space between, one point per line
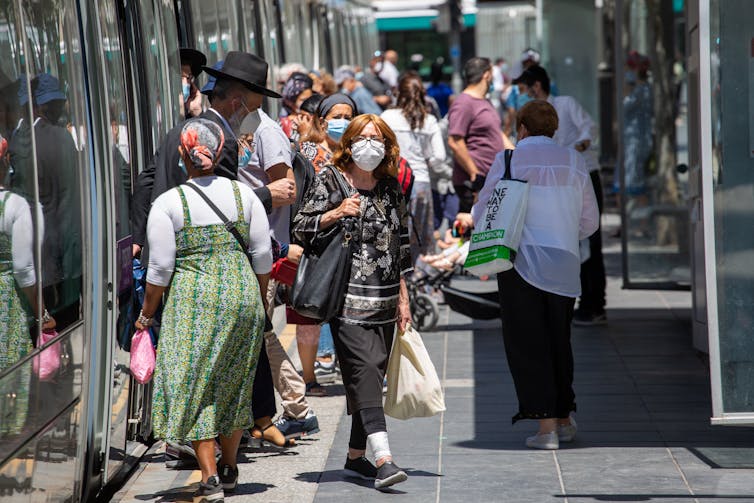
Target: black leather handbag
321 283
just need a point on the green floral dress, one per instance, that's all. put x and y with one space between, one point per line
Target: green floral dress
211 335
15 343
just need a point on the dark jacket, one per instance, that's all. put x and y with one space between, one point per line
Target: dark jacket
163 173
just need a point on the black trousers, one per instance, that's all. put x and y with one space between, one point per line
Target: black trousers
263 392
537 337
363 353
592 299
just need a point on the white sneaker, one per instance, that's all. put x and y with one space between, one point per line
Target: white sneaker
568 432
543 441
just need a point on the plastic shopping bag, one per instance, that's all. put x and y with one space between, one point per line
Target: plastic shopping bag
413 388
142 356
46 363
496 236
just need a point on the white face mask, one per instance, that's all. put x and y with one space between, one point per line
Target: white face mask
367 154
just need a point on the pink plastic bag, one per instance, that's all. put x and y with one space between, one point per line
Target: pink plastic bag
46 363
142 356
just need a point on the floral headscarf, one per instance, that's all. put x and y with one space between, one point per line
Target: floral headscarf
296 84
202 140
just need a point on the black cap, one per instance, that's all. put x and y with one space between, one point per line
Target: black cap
531 75
249 69
195 59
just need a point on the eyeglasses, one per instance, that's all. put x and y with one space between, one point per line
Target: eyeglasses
376 139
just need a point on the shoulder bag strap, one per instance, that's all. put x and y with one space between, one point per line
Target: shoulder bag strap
230 226
508 157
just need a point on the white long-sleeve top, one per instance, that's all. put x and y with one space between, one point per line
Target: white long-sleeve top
424 149
574 126
562 209
16 222
166 218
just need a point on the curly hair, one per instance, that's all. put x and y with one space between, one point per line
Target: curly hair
411 96
389 165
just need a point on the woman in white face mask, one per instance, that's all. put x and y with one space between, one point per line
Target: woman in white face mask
376 298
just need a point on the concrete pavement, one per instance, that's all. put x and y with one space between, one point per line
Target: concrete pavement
644 435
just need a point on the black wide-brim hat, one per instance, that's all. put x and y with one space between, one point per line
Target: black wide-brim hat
195 59
249 69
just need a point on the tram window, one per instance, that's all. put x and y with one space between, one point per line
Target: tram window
162 69
216 27
58 128
19 269
251 42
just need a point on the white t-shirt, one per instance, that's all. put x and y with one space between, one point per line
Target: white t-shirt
271 147
562 209
166 218
16 222
423 148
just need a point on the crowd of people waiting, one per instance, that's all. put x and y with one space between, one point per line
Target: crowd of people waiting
233 198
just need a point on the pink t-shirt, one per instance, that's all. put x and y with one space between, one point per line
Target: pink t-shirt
477 122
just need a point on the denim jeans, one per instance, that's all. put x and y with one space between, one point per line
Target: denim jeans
326 344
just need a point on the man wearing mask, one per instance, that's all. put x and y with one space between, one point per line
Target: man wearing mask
389 73
239 89
576 130
192 62
371 80
474 133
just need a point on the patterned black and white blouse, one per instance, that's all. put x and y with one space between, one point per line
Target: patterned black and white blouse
380 245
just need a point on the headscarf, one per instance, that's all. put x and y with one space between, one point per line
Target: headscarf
296 84
202 140
336 99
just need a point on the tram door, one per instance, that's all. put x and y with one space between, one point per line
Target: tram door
651 177
139 92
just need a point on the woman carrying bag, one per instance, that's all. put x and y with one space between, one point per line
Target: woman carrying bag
376 297
214 313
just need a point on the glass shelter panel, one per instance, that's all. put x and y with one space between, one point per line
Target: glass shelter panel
651 180
732 175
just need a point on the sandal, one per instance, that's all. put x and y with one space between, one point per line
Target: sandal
258 439
315 389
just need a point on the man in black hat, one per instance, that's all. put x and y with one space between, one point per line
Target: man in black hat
239 90
192 62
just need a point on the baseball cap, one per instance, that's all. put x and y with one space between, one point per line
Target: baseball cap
530 55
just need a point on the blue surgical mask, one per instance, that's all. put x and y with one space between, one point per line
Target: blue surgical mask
186 91
631 77
243 159
336 128
182 165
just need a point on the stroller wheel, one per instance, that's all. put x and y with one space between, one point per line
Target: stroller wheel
424 312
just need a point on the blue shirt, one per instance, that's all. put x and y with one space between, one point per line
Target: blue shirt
364 101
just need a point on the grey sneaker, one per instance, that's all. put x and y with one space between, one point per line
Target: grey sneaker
228 477
588 319
548 441
210 491
389 474
360 468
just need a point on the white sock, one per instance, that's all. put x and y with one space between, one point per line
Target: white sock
379 445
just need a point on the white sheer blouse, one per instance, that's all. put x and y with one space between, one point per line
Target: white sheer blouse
562 209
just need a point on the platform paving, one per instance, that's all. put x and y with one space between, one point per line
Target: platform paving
644 434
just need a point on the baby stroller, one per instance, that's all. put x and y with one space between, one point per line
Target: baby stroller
425 312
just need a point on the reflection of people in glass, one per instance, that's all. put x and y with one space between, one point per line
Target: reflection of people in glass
637 130
17 290
59 194
192 62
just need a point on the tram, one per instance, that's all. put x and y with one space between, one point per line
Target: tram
104 76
